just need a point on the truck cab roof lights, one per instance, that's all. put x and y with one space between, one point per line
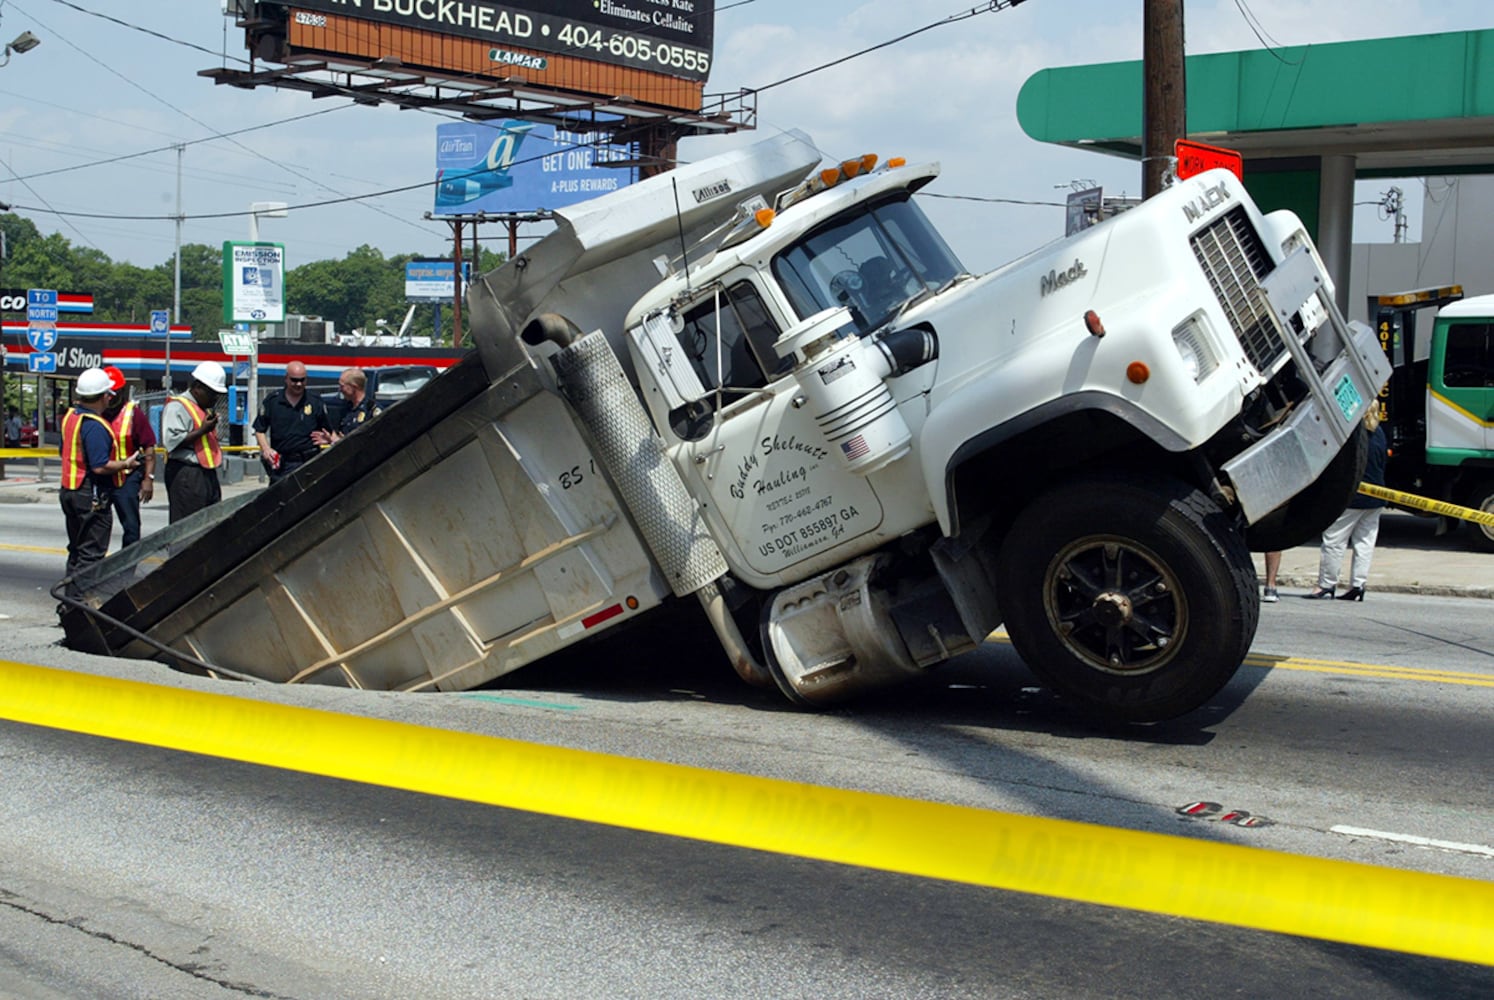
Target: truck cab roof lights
895 162
758 217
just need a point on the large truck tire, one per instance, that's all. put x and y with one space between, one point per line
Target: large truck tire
1302 519
1481 497
1133 597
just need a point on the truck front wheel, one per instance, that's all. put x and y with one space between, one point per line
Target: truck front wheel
1133 597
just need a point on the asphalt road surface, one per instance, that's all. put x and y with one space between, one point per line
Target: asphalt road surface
131 871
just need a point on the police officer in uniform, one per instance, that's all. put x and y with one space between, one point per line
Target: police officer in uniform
362 407
88 469
290 424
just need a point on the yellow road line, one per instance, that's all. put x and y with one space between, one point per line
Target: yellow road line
1425 674
6 546
1357 904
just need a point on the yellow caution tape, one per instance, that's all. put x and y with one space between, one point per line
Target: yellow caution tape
1424 503
1358 904
51 453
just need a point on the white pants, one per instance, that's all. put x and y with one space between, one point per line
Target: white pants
1359 526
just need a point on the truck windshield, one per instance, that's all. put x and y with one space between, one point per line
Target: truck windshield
872 260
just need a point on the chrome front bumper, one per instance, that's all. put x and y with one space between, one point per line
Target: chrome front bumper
1290 458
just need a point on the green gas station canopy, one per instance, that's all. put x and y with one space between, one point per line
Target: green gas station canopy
1421 104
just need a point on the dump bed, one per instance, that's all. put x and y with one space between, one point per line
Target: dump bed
472 535
515 504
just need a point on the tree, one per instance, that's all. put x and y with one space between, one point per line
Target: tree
354 292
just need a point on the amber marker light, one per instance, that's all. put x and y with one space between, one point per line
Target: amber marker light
765 217
830 176
895 162
632 603
850 168
1138 372
869 162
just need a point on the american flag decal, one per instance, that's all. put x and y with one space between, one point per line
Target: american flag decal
855 448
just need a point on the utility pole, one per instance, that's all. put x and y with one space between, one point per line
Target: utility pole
176 273
1164 116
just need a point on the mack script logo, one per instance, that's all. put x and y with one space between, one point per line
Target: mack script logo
1056 279
1213 196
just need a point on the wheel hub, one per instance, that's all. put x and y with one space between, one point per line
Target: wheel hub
1115 604
1113 610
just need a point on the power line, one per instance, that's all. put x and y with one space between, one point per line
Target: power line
146 31
1261 34
186 142
288 169
999 201
994 5
958 16
49 208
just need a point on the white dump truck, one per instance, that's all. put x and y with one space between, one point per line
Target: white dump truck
765 384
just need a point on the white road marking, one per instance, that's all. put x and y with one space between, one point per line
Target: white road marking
1408 838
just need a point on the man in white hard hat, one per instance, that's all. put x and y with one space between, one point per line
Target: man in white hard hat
189 433
89 465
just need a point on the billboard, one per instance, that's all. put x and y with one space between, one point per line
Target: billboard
253 282
673 37
520 167
430 280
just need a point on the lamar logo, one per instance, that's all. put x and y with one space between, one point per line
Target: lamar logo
1055 279
1205 203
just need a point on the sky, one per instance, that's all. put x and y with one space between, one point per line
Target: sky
89 120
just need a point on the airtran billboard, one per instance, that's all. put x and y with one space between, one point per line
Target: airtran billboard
521 167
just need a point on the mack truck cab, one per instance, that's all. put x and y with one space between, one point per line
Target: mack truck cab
896 456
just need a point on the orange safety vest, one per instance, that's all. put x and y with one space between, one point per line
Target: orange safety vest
75 467
209 453
124 437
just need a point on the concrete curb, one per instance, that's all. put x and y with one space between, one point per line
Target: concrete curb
1304 583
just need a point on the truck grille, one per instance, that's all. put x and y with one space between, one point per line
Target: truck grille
1234 259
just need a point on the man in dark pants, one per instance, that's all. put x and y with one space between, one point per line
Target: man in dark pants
289 425
132 433
88 469
189 433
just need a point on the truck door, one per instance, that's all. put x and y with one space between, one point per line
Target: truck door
750 448
1460 400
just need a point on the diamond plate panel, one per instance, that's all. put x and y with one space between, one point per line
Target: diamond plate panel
667 515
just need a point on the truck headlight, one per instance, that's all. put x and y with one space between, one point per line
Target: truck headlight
1193 348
